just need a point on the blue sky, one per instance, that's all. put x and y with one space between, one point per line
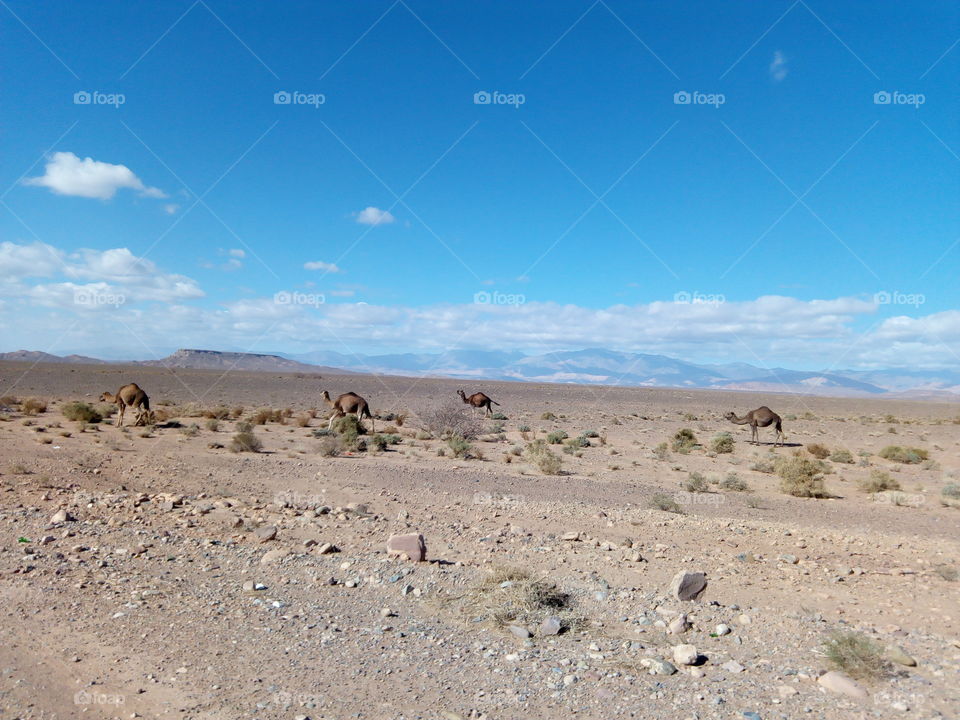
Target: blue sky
784 200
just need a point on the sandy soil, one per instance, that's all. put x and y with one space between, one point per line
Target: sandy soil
136 607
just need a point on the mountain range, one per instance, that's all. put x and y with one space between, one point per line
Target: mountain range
594 366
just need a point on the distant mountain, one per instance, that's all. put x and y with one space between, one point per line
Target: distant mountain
37 356
216 360
593 366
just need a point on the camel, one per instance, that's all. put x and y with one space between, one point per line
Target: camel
761 417
348 403
130 395
478 400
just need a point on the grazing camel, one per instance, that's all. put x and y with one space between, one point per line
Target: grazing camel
348 403
129 396
761 417
478 400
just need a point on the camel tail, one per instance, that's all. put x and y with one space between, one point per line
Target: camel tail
779 427
146 403
494 402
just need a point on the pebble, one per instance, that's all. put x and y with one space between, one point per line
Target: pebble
722 630
265 533
412 546
688 585
657 666
520 632
61 516
550 626
897 654
839 683
274 556
685 655
678 625
732 666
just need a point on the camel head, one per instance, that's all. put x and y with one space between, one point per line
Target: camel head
325 395
731 415
106 397
462 394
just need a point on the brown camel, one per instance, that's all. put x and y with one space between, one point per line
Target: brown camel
478 400
761 417
129 396
348 403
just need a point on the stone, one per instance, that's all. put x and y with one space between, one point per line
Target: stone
47 539
61 516
265 533
722 630
785 691
410 545
570 536
732 666
685 655
897 654
309 542
520 632
688 585
274 556
327 549
251 586
550 626
837 682
678 625
656 666
789 559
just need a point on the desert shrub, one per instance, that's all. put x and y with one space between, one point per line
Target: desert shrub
684 441
580 441
265 415
548 416
245 441
9 402
498 416
329 446
381 441
950 495
81 412
460 447
662 501
523 428
218 413
213 425
764 465
800 477
696 482
722 443
818 451
855 654
33 406
453 419
495 428
538 453
733 482
661 452
303 420
322 432
879 481
191 430
349 429
842 455
556 437
751 500
908 456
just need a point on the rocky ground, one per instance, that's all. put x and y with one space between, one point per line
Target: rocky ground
150 573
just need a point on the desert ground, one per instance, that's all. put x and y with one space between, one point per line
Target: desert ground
150 571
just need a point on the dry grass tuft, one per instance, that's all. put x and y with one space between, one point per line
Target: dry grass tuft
539 453
906 455
800 477
857 655
879 482
821 452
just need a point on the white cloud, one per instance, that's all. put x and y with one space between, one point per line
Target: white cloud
374 216
237 253
778 67
320 265
171 208
67 174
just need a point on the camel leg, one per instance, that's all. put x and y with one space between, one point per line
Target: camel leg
120 409
755 435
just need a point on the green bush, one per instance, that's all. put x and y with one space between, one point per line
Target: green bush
538 453
81 412
662 501
879 482
349 429
548 416
684 441
460 447
245 441
908 456
733 482
857 655
722 443
696 482
841 455
800 477
556 437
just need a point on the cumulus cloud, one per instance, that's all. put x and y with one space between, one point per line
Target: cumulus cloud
778 67
236 253
374 216
67 174
320 265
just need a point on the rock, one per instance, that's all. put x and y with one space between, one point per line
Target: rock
785 691
274 556
656 666
265 533
327 549
411 545
839 683
751 715
744 620
897 654
732 666
61 516
685 655
406 589
309 542
251 586
520 632
570 536
47 539
722 630
678 625
688 585
789 559
550 626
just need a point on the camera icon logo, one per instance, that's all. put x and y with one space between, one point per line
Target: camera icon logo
481 98
281 97
881 98
681 97
81 97
481 298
